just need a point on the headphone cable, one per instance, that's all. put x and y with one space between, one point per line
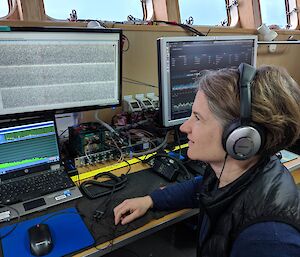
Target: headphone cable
219 178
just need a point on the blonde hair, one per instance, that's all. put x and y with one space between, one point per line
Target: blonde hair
275 103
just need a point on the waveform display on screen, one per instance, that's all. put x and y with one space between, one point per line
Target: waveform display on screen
17 135
184 86
32 149
18 163
182 107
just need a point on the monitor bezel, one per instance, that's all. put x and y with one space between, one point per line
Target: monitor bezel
37 111
163 83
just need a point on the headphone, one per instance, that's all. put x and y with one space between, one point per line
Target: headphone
242 138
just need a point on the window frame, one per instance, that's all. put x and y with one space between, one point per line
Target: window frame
148 10
293 17
232 13
12 11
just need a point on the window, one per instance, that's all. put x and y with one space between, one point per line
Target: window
112 10
3 8
201 12
273 12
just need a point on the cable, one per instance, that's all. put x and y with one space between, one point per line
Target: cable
114 184
219 178
16 224
129 165
208 32
154 149
63 132
124 38
109 128
184 26
98 214
134 81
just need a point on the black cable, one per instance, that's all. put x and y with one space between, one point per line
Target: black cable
154 149
124 38
119 183
219 178
63 132
16 224
184 26
114 184
208 32
129 167
98 214
137 82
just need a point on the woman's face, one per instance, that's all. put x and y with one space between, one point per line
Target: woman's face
204 132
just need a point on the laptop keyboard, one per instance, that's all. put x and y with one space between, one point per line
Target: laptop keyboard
34 186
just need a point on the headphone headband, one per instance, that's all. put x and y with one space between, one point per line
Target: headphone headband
247 73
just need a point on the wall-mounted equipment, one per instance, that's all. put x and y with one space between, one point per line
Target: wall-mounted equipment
265 33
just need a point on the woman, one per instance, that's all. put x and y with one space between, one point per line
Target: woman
249 205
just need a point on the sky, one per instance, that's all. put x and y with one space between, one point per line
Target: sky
118 10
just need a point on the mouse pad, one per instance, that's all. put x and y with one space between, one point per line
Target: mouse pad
68 232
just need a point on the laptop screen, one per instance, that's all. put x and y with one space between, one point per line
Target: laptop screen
27 148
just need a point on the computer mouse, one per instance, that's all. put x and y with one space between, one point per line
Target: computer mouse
40 240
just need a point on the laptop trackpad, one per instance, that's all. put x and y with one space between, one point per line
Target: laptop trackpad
34 204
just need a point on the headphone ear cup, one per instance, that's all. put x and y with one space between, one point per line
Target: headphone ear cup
242 142
234 124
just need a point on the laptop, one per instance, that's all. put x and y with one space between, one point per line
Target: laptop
31 175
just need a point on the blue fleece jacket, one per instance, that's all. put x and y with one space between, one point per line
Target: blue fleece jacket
266 239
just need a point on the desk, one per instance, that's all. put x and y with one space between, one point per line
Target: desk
163 222
151 227
154 224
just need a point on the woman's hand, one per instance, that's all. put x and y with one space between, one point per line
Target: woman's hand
132 209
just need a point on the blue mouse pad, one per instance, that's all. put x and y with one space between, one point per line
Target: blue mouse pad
68 231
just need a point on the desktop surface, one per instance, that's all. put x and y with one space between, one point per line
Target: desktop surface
109 237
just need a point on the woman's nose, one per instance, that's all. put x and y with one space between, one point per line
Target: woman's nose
185 127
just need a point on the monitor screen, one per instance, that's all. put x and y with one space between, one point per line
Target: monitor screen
65 69
181 59
28 146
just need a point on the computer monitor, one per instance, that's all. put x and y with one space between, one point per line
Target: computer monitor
181 59
59 69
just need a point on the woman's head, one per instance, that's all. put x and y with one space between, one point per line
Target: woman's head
275 103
